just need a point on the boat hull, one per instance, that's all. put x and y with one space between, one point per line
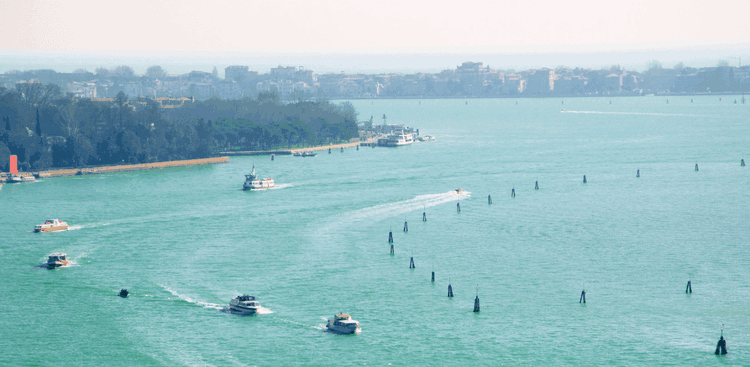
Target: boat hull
242 310
343 330
259 185
51 229
57 264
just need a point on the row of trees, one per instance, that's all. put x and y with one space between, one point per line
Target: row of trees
46 128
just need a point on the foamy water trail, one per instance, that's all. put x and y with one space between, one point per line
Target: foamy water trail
282 186
192 300
400 207
633 113
264 311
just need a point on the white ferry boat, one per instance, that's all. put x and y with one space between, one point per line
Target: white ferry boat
343 324
304 154
18 179
244 304
397 139
51 225
254 183
57 260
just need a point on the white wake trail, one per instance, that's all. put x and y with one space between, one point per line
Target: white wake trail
400 207
192 300
632 113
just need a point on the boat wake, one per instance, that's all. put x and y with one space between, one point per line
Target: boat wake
189 299
93 225
400 207
632 113
281 186
261 311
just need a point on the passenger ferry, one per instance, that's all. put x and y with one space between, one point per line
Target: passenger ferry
18 179
254 183
343 324
397 140
304 154
51 225
244 304
57 260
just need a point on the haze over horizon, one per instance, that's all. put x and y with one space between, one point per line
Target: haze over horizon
382 36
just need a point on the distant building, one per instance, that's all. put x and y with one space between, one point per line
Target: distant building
567 85
540 82
229 90
612 82
133 89
201 91
513 84
82 90
267 86
235 72
283 72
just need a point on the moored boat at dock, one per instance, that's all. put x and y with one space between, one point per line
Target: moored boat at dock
343 324
51 225
304 154
252 182
19 179
56 260
244 305
397 139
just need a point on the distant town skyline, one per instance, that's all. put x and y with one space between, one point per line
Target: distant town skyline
182 62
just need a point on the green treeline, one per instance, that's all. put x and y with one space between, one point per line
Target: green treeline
47 128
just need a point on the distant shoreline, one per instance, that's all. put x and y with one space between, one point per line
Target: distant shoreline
520 96
121 168
295 150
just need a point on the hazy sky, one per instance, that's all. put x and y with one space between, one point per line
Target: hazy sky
370 26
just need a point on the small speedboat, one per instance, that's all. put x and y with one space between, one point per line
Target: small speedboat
244 305
51 225
57 260
343 324
458 191
304 154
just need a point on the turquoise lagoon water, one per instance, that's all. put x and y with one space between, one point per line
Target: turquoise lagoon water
185 241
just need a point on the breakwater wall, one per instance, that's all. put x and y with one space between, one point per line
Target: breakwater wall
125 168
292 151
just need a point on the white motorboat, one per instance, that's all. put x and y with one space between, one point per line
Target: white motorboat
51 225
244 304
427 138
343 324
252 182
56 260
